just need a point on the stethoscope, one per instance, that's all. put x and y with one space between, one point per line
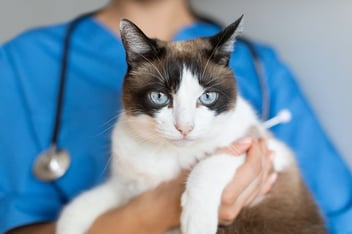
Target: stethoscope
54 162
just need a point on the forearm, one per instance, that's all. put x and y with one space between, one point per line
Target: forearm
38 228
121 220
152 212
126 219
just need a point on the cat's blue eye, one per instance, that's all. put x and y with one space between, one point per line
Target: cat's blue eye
158 98
208 98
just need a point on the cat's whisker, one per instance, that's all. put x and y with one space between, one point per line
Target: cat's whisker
152 75
212 53
205 67
106 130
153 65
166 74
112 119
107 166
110 124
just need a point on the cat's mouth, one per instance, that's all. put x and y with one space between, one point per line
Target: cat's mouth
184 141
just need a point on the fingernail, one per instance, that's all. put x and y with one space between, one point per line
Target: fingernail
245 141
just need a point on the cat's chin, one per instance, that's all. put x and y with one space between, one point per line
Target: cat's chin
182 142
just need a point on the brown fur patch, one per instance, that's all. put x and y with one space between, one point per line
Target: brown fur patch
288 209
163 73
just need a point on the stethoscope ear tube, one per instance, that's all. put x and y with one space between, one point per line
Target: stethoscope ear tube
63 74
259 68
54 162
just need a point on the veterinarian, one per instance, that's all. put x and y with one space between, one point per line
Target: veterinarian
30 79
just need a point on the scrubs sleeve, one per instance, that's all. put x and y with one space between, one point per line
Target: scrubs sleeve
23 199
324 171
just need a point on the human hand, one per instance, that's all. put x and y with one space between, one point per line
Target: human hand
254 178
158 210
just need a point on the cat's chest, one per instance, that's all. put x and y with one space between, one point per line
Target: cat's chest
150 167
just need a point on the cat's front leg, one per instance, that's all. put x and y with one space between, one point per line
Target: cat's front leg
202 197
79 215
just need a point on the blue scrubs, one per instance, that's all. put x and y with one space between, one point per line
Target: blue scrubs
29 77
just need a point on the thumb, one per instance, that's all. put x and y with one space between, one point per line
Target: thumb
238 147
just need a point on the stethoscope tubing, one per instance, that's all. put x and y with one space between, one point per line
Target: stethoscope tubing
260 72
63 75
53 163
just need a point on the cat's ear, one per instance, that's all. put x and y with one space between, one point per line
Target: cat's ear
137 45
223 43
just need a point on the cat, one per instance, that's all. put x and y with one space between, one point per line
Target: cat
180 104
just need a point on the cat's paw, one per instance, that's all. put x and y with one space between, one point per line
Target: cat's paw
198 216
202 197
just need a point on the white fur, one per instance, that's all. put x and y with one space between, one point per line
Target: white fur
138 45
148 151
202 197
184 112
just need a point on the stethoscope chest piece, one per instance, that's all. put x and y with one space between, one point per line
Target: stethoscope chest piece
51 164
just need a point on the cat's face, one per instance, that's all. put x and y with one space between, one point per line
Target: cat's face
177 91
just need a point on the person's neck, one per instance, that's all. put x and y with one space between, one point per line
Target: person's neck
157 18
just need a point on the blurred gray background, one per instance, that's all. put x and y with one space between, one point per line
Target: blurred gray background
313 37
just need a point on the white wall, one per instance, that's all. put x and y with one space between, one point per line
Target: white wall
314 37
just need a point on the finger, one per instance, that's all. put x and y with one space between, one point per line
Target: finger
268 158
269 184
260 152
266 155
227 213
264 150
266 178
267 165
238 147
249 195
256 189
244 176
258 186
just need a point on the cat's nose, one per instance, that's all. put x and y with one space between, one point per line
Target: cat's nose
184 129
